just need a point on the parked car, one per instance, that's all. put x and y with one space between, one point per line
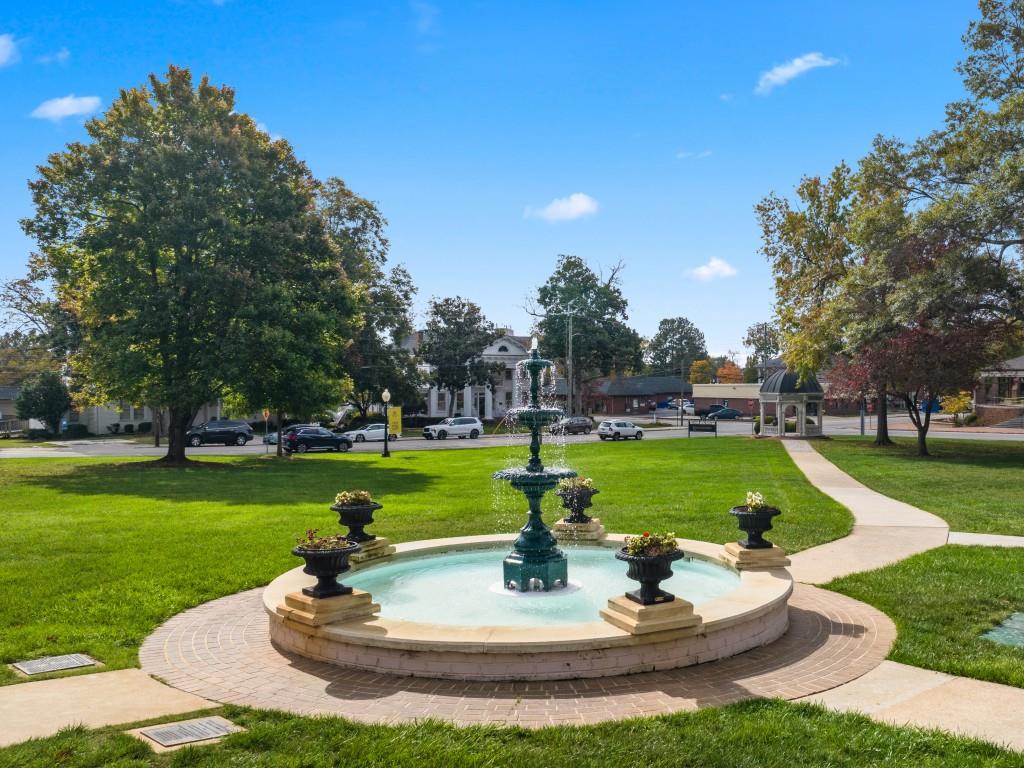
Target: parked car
725 413
688 408
315 438
572 425
271 437
617 430
370 433
929 406
221 432
460 426
706 412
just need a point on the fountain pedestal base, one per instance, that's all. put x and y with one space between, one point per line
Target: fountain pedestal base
740 557
551 571
315 612
579 533
676 616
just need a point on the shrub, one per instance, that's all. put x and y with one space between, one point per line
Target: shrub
36 434
144 427
76 431
129 429
113 428
650 544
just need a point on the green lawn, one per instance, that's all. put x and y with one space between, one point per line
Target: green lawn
942 601
760 734
973 485
94 553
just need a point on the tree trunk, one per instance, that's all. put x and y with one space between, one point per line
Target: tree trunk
280 434
180 420
882 412
158 423
920 423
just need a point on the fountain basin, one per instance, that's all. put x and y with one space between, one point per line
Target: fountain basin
752 613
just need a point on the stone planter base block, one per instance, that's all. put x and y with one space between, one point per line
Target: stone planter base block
741 557
315 612
642 619
373 550
591 532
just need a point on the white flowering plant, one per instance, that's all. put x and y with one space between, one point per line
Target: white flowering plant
353 498
755 500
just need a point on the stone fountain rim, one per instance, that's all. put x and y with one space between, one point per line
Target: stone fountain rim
759 593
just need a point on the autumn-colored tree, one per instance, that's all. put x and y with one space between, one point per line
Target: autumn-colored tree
729 373
702 372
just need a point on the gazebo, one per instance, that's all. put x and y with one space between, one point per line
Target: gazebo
784 389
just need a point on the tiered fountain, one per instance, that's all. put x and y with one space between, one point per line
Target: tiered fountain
535 562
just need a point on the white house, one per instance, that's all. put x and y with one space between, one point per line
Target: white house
485 401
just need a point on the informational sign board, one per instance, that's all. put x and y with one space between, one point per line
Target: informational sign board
395 419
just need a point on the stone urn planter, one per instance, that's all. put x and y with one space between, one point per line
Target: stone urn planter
326 565
755 522
356 517
577 500
650 571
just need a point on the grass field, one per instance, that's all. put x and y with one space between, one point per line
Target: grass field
95 554
973 485
761 734
942 601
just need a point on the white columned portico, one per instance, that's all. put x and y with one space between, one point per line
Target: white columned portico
432 405
467 400
488 402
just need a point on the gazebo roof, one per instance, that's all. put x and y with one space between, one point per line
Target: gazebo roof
788 383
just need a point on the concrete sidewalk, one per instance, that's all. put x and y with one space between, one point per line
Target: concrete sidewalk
41 708
885 530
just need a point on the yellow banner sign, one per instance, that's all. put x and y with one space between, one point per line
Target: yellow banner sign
395 419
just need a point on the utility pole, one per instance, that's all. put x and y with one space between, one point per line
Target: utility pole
568 365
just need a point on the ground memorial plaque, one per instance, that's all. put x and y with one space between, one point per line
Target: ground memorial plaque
54 663
189 731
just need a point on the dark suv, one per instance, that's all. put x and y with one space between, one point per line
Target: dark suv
574 425
222 431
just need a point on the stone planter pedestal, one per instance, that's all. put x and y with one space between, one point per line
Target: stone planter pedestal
676 617
375 549
315 612
742 558
590 532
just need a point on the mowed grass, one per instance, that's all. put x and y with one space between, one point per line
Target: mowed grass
756 734
973 485
95 554
942 601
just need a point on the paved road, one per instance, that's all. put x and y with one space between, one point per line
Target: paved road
114 447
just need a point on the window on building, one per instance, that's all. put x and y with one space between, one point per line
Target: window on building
442 401
508 374
1005 386
140 413
508 399
458 401
125 413
503 348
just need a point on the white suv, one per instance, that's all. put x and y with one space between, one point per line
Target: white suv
619 429
460 426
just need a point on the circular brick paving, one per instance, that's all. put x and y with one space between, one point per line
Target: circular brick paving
221 650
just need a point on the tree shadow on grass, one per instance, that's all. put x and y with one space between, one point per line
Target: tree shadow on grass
245 482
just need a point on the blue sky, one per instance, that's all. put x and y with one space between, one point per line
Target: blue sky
495 136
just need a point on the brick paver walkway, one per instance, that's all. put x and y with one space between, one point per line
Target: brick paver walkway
221 651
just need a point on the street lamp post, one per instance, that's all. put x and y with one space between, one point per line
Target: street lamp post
386 397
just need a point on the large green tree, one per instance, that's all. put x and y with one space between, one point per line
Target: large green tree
763 339
45 397
675 346
175 236
593 305
456 334
376 360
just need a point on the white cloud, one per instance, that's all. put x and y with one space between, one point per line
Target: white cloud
60 57
8 50
575 206
66 106
425 17
714 269
783 73
693 155
725 97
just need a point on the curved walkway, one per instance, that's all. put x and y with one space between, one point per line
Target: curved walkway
221 650
885 531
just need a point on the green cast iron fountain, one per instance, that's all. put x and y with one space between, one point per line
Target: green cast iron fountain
535 562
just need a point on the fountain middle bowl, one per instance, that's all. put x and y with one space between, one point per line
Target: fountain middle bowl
441 627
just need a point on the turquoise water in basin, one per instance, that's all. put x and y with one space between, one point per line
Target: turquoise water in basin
464 588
